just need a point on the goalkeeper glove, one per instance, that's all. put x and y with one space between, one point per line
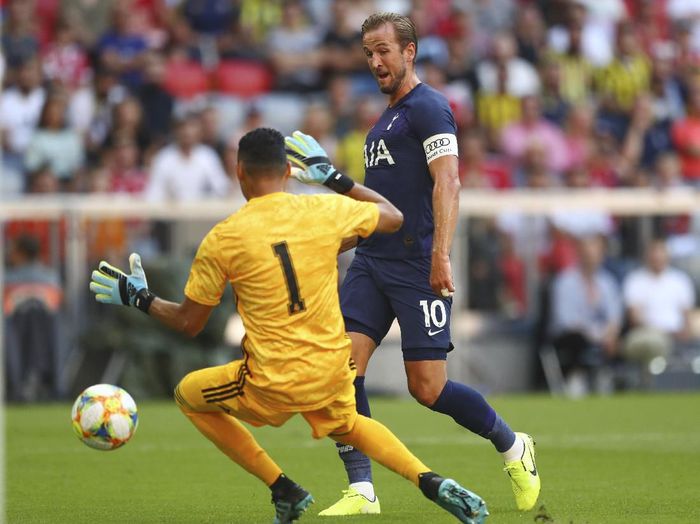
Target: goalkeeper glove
112 286
314 165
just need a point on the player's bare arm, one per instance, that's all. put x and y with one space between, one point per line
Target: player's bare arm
348 244
390 218
112 286
187 317
444 171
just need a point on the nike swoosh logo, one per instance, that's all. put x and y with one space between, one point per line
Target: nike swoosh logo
533 471
392 122
431 332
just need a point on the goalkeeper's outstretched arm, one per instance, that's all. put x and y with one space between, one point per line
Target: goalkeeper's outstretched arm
112 286
188 317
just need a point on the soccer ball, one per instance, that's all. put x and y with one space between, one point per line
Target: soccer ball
104 417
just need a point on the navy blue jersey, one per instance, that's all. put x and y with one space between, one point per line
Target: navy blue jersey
418 129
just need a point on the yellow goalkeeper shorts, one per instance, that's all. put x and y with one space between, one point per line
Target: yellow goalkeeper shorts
223 388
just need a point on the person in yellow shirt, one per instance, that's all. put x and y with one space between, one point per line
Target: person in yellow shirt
279 254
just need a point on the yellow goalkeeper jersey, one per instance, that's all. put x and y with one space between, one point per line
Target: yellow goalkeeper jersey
279 252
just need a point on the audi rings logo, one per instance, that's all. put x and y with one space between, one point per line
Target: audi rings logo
435 144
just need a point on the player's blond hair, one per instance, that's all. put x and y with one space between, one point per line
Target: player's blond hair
403 25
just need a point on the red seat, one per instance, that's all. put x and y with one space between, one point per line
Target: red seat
185 79
242 78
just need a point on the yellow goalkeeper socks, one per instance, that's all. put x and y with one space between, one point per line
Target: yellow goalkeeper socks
380 444
231 437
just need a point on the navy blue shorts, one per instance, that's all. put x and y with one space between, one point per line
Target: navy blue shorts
377 290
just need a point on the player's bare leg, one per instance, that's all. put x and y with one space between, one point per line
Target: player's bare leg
428 384
382 445
359 498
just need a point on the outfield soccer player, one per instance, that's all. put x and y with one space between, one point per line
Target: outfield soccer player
411 159
279 252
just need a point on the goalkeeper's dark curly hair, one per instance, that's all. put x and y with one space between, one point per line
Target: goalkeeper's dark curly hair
262 152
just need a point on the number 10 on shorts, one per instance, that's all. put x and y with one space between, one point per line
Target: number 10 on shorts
435 313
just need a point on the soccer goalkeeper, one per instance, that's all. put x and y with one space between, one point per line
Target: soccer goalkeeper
279 253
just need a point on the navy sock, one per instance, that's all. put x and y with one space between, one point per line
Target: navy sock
357 464
469 409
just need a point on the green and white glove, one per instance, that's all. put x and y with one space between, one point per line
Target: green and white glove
112 286
314 166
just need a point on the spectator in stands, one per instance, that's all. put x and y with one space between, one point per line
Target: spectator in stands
30 308
665 86
530 33
183 44
318 122
576 69
647 137
239 42
520 77
477 168
64 60
462 45
658 299
124 174
209 17
210 127
90 110
186 170
294 50
19 33
578 132
497 109
490 16
122 48
89 19
341 103
457 93
156 103
554 106
127 121
596 32
350 158
55 144
259 17
342 43
688 12
586 316
626 77
686 137
687 55
533 129
20 109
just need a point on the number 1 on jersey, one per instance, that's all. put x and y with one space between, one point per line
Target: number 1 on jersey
296 303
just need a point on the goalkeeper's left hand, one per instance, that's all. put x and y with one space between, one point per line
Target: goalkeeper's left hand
305 153
112 286
314 166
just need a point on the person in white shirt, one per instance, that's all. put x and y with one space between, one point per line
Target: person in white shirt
20 108
658 299
521 77
186 170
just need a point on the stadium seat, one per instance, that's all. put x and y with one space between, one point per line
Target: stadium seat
185 79
243 78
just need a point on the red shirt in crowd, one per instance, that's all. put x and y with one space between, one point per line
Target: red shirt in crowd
686 138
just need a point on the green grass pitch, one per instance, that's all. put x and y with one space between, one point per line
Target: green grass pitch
629 459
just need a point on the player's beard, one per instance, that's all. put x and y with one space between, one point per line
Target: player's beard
398 80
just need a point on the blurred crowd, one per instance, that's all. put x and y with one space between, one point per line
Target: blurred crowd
150 97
